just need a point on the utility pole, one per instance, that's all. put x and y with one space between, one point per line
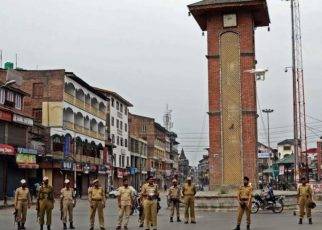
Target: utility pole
268 111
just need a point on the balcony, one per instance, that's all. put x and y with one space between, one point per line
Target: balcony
88 159
93 134
79 128
101 136
69 125
80 104
86 131
94 111
87 107
69 98
102 115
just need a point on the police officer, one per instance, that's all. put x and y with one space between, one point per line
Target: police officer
125 203
244 197
141 202
174 196
97 200
45 203
67 201
22 203
304 197
189 191
150 192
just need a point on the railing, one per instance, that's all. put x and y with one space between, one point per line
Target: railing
93 134
69 125
94 111
101 136
88 159
69 98
79 128
87 107
102 115
79 103
86 131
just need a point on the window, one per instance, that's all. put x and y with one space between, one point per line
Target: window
120 161
121 125
114 160
123 159
125 142
113 139
38 90
117 123
18 101
113 102
112 121
2 96
118 140
117 105
121 108
121 141
10 96
127 161
143 128
287 148
125 127
37 115
125 111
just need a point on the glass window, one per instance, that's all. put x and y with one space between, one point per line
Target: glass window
120 161
117 123
121 108
117 105
127 161
125 142
121 125
2 96
10 96
18 101
125 127
125 110
113 102
113 139
118 140
112 121
121 141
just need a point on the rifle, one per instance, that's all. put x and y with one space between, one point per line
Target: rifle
15 213
61 208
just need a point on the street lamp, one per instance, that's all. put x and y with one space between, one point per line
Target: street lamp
268 111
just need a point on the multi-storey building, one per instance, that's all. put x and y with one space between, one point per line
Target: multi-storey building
119 133
203 171
75 114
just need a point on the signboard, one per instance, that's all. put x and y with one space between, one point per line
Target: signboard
5 116
22 158
86 168
7 150
102 169
281 170
22 120
264 155
67 165
66 147
27 151
133 170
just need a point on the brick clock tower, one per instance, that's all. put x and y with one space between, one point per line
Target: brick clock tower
230 26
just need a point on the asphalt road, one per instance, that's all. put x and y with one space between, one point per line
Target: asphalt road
205 220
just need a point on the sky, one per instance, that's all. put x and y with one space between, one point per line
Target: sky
153 54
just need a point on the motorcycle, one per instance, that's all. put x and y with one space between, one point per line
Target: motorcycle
276 205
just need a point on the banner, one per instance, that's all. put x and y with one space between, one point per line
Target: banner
7 150
66 147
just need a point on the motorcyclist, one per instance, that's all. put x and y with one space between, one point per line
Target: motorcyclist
270 197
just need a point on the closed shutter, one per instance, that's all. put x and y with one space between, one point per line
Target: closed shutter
17 135
2 130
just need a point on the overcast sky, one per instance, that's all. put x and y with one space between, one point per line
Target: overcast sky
152 53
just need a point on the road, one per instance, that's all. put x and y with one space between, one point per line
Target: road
206 220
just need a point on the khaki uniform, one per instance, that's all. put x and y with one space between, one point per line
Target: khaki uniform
189 192
67 201
46 203
125 201
150 204
96 198
22 201
244 195
142 199
174 196
304 194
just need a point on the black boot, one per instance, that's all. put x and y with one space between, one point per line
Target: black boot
178 219
19 227
237 227
248 227
300 221
48 227
22 226
41 227
310 221
71 225
64 225
171 219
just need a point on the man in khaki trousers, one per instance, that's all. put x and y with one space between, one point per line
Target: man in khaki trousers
97 200
67 204
22 203
304 197
151 193
189 191
125 202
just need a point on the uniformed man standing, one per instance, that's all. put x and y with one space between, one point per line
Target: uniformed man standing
22 203
125 202
67 201
244 197
174 196
46 203
189 191
97 200
150 193
141 202
304 197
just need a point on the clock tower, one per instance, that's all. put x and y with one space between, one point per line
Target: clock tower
230 27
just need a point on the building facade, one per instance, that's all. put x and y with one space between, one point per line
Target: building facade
203 172
184 168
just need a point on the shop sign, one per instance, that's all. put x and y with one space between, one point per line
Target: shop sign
133 170
22 120
5 116
66 147
27 151
263 155
79 167
102 169
86 168
67 165
119 173
281 170
7 150
22 158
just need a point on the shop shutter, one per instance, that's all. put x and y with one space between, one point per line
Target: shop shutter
17 135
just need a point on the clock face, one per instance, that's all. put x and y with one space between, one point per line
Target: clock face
230 20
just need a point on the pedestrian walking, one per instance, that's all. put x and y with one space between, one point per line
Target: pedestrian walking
304 198
150 192
22 204
174 196
67 204
189 191
45 203
244 197
125 203
97 201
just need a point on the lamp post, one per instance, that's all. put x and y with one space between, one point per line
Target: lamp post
268 111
